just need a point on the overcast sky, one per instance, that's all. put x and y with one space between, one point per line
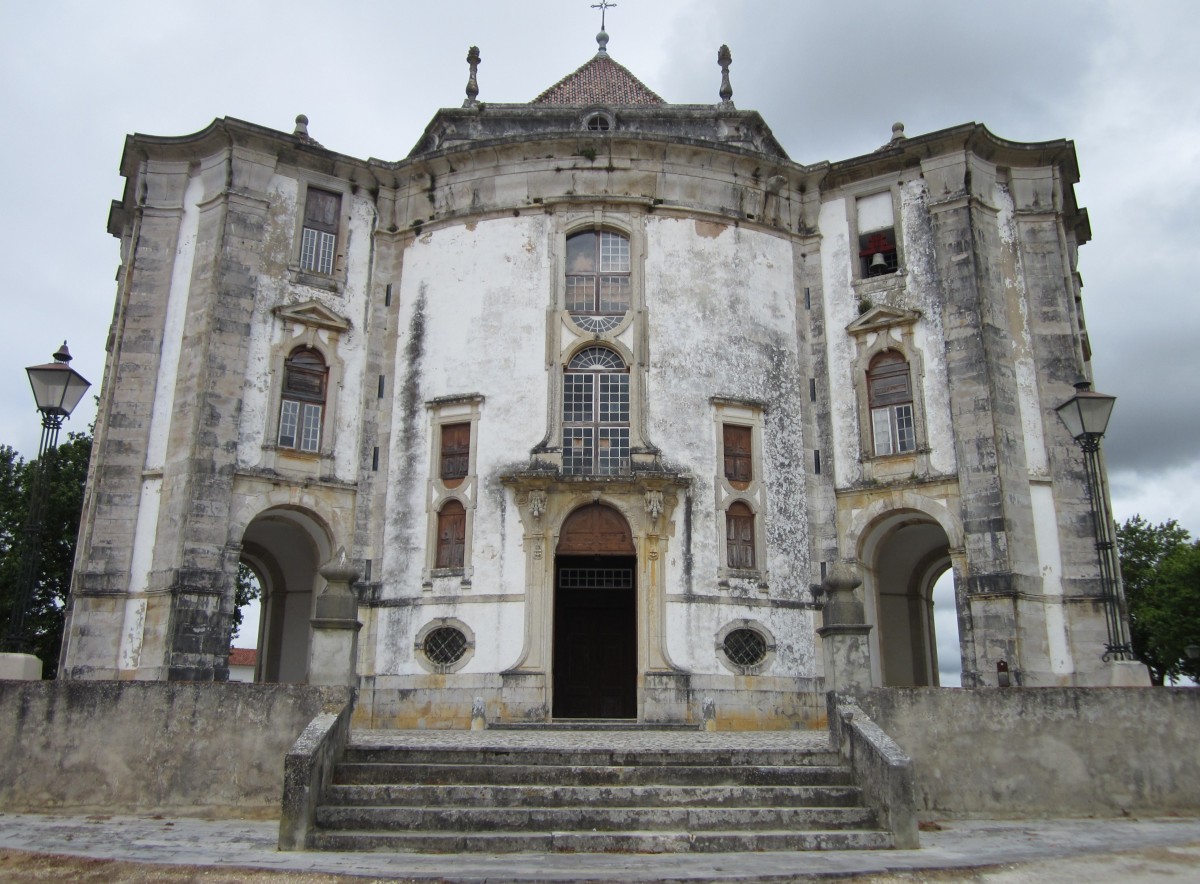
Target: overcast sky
829 78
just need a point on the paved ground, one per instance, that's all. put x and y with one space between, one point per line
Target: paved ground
180 849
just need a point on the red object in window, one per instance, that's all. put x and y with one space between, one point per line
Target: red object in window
877 243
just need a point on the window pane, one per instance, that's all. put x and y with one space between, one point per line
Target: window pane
614 294
581 294
614 398
308 249
577 397
310 431
614 253
581 253
288 414
882 429
613 451
577 450
906 437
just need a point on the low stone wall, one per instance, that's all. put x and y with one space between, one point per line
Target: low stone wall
1021 752
194 749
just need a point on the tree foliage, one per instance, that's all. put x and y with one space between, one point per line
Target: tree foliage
1160 568
66 471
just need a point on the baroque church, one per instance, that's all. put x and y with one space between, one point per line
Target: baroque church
582 409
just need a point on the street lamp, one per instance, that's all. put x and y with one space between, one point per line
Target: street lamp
1086 416
57 389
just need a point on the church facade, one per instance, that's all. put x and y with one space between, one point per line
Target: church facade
572 412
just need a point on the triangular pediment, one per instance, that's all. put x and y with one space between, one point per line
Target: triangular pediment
882 317
600 81
313 314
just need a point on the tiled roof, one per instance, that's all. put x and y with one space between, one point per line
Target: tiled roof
243 656
600 81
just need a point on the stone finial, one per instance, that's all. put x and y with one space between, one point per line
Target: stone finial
725 59
473 60
301 127
478 715
898 132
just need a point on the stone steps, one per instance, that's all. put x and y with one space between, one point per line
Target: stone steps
591 794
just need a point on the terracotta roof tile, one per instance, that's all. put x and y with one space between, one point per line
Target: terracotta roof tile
243 656
600 81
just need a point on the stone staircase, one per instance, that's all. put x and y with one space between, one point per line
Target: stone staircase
592 791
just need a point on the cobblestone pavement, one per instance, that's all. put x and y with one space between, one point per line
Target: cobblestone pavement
1009 852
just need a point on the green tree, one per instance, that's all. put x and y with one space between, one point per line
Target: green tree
67 474
246 590
1160 569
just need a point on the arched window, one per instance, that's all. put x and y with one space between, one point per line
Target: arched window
303 400
598 279
739 536
451 535
596 414
889 388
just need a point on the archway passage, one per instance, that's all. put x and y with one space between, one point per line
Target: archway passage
284 548
909 553
595 617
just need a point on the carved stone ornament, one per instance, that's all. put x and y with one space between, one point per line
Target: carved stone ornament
654 504
537 504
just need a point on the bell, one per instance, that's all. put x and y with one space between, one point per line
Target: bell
878 263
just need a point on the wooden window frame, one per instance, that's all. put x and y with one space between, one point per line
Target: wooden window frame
454 459
890 404
737 443
740 541
302 405
451 536
320 230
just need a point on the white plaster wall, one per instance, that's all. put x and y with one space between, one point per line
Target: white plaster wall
841 308
472 319
275 289
929 336
721 309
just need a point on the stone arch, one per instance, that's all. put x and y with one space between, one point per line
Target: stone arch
903 551
285 546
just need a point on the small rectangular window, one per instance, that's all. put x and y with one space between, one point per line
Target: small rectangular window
319 238
892 427
739 464
455 453
877 235
452 534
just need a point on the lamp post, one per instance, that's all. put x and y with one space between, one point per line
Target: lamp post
57 389
1086 416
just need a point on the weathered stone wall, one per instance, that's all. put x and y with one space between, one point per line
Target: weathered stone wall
198 749
993 752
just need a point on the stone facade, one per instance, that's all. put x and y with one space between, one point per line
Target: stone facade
379 382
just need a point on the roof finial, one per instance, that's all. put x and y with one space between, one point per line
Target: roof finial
473 59
602 37
725 59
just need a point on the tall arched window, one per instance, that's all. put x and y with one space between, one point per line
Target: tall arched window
739 536
303 400
451 536
889 388
596 414
598 279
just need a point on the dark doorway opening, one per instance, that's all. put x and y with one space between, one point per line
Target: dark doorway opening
595 637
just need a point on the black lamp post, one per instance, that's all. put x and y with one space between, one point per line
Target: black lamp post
1086 416
57 389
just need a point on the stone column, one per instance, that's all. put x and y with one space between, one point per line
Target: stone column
844 637
333 655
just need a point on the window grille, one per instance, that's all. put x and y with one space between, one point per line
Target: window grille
445 646
745 647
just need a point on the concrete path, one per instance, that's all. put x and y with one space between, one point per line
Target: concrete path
1013 851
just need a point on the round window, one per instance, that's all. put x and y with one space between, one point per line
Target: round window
745 647
598 123
445 645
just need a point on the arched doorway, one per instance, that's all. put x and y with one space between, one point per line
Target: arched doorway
905 554
284 547
595 616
